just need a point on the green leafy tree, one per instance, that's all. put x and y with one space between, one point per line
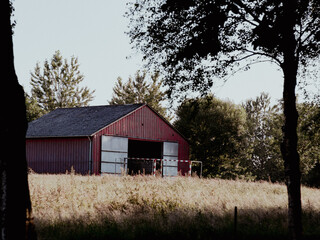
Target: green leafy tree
57 85
263 136
140 90
194 41
308 130
263 129
215 130
33 109
309 142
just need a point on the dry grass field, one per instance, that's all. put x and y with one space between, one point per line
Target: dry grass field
146 207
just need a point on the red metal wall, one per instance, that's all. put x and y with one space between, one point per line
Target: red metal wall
56 155
145 124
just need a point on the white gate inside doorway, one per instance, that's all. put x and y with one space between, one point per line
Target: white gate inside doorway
114 156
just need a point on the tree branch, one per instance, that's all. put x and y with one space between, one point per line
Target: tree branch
247 10
253 53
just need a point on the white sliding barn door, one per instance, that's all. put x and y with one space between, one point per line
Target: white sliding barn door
170 152
114 154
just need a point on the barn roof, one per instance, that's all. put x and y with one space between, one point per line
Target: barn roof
76 122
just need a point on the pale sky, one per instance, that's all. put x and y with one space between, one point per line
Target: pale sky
93 31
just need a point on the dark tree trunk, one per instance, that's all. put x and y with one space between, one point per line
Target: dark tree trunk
291 157
15 205
289 145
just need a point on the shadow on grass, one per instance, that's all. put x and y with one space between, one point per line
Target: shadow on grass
180 224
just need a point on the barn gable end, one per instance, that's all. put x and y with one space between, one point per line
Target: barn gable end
142 124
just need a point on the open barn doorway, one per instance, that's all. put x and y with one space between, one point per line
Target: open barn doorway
143 149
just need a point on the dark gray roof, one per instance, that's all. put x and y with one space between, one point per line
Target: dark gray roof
81 121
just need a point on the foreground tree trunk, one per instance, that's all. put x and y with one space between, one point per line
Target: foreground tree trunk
290 139
291 159
15 205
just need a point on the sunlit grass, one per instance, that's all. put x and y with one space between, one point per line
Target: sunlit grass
112 207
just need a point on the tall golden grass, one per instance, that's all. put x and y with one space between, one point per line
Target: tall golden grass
130 207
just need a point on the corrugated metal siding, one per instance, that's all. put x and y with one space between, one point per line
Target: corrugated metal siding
56 155
141 124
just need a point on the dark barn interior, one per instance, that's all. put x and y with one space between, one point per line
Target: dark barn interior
143 149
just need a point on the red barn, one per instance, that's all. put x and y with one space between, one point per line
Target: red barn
105 139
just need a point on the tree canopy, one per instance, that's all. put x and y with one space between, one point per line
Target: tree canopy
263 137
215 130
143 88
57 85
243 141
194 41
